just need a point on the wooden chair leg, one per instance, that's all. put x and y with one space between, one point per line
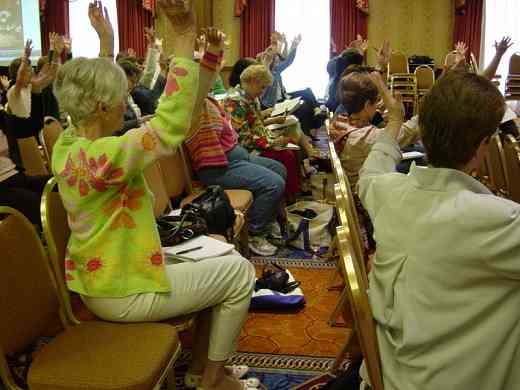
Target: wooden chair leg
343 353
339 308
171 383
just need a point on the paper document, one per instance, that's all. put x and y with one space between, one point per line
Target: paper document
289 121
199 248
287 106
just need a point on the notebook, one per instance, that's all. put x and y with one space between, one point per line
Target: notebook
206 247
286 107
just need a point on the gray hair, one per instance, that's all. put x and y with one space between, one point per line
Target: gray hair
82 83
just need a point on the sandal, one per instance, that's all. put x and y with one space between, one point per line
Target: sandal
247 384
237 371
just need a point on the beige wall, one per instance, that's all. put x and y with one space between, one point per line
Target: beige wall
224 19
422 27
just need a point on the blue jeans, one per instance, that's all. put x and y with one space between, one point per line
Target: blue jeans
264 177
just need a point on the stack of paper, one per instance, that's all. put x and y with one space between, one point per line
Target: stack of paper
199 248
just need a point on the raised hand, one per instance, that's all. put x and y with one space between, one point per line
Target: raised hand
100 21
201 43
4 83
216 40
360 44
383 55
393 105
181 14
27 50
56 43
461 48
149 35
296 41
44 78
502 46
67 44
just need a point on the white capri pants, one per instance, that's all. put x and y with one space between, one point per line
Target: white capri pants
224 284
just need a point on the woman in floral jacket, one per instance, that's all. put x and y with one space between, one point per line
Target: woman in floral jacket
114 257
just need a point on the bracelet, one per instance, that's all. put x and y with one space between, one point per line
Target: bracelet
212 61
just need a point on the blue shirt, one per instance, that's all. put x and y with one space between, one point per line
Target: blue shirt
276 91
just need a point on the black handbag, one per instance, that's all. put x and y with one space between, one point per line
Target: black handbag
276 279
215 208
174 230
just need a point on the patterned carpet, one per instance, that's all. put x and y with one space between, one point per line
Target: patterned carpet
276 372
305 332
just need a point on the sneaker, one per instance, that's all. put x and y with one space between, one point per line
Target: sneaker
260 246
275 231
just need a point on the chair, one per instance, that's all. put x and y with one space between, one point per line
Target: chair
473 64
425 79
32 159
57 232
512 165
49 135
347 212
398 64
364 325
93 355
514 65
496 164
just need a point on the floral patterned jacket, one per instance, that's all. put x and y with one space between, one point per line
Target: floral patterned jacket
246 120
114 249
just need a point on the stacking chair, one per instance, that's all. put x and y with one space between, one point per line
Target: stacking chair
364 325
496 163
49 135
94 355
473 64
512 165
401 81
513 78
32 159
425 79
56 232
345 206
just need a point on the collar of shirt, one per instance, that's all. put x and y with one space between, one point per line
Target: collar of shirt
445 180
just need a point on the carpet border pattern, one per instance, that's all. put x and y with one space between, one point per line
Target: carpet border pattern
294 263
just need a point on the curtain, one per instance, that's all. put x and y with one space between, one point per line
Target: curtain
55 18
132 19
257 24
468 26
346 21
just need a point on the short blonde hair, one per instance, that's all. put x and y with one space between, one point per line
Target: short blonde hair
256 73
82 83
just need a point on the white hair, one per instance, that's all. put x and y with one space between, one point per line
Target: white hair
82 83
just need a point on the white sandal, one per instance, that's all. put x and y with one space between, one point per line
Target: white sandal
247 384
237 371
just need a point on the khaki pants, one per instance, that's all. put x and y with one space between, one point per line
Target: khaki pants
224 284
